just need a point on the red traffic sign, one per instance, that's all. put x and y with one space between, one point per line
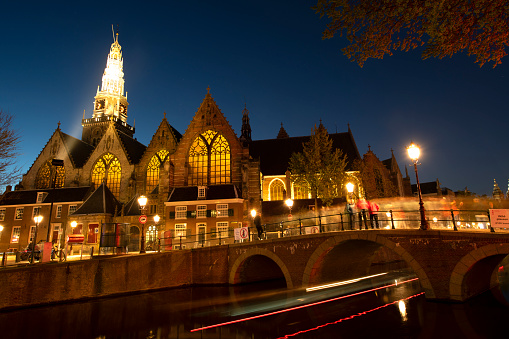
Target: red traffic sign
143 219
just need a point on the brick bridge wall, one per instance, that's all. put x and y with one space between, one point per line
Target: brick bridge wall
450 265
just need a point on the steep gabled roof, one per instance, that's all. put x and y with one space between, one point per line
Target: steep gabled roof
133 148
79 151
102 201
275 154
132 207
214 192
58 195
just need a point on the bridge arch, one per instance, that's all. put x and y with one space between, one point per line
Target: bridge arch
364 245
474 273
241 266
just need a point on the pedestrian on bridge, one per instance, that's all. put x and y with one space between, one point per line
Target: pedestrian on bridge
349 212
373 209
362 206
258 224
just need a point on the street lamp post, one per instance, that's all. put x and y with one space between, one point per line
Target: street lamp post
414 153
289 203
142 201
37 219
156 220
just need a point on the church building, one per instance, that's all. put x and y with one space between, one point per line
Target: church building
201 184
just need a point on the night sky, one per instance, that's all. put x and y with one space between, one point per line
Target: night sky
267 55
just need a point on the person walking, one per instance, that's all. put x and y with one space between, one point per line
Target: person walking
349 212
373 209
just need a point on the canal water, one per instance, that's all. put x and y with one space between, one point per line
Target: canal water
387 305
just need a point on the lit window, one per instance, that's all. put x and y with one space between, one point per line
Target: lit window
222 229
222 210
16 231
2 214
107 168
180 230
201 192
59 211
40 197
36 211
300 192
72 209
180 212
44 175
276 190
19 213
201 211
209 160
153 169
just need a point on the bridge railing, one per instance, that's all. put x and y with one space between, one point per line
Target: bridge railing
471 220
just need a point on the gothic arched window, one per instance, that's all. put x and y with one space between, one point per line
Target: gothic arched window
107 168
153 169
276 190
300 192
44 176
209 160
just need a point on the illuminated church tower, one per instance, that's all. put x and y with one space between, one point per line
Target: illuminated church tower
110 105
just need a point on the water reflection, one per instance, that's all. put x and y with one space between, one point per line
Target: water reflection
397 311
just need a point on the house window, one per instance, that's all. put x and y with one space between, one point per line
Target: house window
107 168
153 209
222 210
201 192
16 231
222 229
180 212
40 197
59 211
2 214
72 209
209 160
201 211
153 169
32 234
180 230
276 190
19 213
36 211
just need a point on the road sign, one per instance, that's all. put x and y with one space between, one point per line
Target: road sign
143 219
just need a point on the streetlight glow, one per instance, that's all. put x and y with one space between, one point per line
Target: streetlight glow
289 203
142 200
74 224
38 218
253 213
156 218
349 187
413 151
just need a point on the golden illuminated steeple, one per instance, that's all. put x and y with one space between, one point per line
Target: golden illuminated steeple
110 104
110 100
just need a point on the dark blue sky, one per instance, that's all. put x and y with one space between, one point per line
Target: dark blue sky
269 55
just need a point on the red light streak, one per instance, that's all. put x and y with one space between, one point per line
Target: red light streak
300 307
350 317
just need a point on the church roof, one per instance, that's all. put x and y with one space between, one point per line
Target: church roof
102 201
213 192
132 207
58 195
78 150
134 149
274 154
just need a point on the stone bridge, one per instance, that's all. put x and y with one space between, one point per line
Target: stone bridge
450 265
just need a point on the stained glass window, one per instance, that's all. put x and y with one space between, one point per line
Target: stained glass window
209 160
153 169
276 190
43 179
107 168
300 192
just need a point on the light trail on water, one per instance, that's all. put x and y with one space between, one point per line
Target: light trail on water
301 306
350 317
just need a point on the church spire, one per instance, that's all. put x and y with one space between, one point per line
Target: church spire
110 101
497 192
245 134
282 133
